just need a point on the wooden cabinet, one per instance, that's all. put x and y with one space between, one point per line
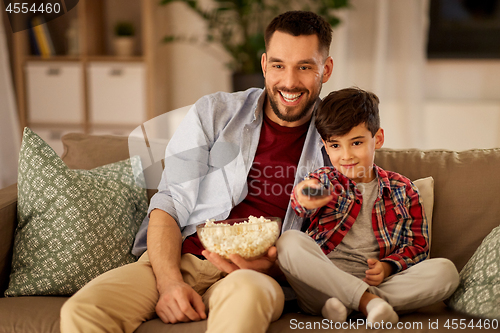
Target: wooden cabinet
55 92
117 93
90 90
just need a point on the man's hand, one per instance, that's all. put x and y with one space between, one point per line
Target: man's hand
179 302
263 264
310 202
377 272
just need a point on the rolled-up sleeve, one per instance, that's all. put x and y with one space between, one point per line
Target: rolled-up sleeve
186 164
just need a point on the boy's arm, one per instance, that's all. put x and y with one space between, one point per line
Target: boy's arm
414 243
305 205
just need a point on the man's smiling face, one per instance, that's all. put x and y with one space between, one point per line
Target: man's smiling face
295 69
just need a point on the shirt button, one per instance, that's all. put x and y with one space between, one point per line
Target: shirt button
399 216
342 228
357 201
337 205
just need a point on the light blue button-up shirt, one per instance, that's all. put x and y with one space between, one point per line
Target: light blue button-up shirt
208 159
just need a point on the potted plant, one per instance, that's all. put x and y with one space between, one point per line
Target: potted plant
124 41
238 25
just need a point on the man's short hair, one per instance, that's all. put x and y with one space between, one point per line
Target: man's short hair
297 23
342 110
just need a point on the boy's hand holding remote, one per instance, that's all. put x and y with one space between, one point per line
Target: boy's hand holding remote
305 192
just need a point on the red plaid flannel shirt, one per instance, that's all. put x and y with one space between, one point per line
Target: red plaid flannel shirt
398 217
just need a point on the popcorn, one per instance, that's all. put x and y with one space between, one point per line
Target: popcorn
249 238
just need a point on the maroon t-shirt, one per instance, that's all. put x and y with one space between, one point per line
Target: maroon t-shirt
271 177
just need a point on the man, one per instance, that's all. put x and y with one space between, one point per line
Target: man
230 157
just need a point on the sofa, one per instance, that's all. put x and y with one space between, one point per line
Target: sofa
466 209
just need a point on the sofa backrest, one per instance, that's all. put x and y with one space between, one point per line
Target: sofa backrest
465 186
466 207
8 217
84 151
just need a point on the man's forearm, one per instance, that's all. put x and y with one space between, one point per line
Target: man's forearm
164 247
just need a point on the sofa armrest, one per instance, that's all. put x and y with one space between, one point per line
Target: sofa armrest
8 222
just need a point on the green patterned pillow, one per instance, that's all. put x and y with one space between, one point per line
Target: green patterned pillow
479 291
72 224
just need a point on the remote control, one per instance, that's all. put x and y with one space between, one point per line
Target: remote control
316 193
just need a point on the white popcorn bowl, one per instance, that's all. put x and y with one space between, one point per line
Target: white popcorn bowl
249 240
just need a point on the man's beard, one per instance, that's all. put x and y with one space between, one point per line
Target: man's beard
289 118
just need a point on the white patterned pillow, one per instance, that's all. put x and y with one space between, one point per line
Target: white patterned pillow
72 224
479 291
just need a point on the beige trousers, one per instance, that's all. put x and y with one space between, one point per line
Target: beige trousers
121 299
315 278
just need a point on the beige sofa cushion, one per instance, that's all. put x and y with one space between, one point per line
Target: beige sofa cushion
30 314
464 183
83 151
466 187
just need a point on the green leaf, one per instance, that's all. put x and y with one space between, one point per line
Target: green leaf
124 28
334 21
169 39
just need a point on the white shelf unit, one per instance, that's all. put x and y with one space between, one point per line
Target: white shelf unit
93 91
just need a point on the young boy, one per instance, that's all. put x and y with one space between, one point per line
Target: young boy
366 246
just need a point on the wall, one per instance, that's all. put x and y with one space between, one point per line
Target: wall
462 105
187 71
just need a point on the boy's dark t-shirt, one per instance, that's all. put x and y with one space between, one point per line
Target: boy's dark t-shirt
271 177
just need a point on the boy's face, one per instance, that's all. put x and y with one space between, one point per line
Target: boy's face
353 154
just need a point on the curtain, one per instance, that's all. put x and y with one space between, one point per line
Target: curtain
381 46
9 122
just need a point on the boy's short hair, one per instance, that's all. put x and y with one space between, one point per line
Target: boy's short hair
298 23
342 110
